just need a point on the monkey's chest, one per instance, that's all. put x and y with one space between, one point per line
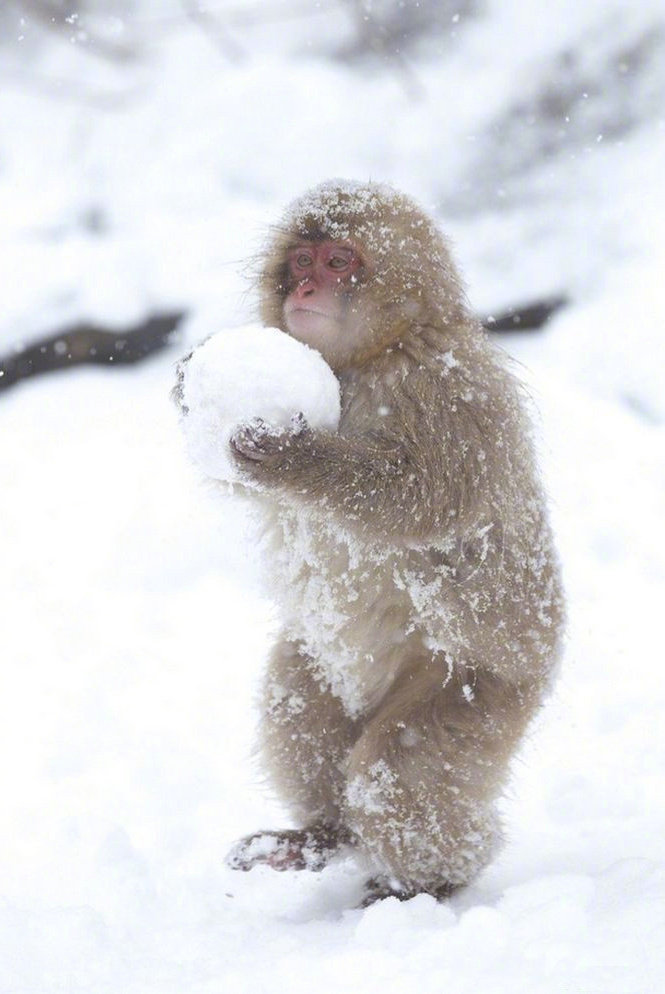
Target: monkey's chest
339 601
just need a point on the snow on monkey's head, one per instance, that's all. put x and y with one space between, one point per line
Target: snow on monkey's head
353 268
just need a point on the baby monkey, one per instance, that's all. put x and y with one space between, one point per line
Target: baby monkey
409 552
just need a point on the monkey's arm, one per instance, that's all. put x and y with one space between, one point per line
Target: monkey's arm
437 458
375 483
340 471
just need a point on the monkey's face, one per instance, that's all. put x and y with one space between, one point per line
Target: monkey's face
318 307
352 268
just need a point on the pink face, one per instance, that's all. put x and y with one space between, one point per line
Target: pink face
320 273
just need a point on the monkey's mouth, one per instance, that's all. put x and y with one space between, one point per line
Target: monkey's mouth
309 310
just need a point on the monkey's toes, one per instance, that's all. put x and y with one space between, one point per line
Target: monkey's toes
291 849
278 850
251 851
378 888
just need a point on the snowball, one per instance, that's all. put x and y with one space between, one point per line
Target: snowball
251 372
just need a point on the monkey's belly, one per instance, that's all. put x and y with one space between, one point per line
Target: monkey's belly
363 610
340 603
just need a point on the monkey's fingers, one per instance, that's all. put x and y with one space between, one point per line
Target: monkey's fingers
255 440
299 425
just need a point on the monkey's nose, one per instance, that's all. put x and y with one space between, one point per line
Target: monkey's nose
305 288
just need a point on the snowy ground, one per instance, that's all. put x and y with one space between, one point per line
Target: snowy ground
132 629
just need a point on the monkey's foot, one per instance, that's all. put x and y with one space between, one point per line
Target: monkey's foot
292 849
378 888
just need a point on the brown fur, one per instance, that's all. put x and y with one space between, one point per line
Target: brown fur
412 558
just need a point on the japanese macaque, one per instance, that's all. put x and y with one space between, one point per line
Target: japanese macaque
410 553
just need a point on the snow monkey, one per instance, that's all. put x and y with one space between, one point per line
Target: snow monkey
410 553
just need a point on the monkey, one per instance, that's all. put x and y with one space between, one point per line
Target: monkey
410 554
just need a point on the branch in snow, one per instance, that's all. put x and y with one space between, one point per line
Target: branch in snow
525 317
88 344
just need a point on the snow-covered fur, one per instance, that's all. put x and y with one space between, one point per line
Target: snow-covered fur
411 555
240 374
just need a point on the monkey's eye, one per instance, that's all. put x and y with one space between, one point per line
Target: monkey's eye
338 262
303 260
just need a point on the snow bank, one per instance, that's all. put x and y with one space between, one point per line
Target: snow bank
132 629
251 372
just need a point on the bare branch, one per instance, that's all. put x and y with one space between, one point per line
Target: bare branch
85 343
213 30
66 22
373 38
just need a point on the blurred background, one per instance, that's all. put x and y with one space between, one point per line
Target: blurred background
145 149
145 146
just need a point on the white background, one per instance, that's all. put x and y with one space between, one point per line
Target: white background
131 626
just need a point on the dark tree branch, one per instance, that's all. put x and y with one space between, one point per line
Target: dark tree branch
213 30
526 317
372 37
64 20
88 344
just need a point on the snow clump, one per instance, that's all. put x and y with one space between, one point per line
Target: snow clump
240 374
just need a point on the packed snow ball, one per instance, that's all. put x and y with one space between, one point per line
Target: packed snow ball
251 372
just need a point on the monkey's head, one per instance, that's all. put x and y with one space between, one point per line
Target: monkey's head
353 268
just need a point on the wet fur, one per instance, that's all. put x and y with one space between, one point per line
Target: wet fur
411 555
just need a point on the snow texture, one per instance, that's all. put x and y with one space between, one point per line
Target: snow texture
133 630
241 374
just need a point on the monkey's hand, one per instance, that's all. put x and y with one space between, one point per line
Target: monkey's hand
370 480
292 849
258 442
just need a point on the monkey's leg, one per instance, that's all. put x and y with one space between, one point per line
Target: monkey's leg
305 739
424 776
